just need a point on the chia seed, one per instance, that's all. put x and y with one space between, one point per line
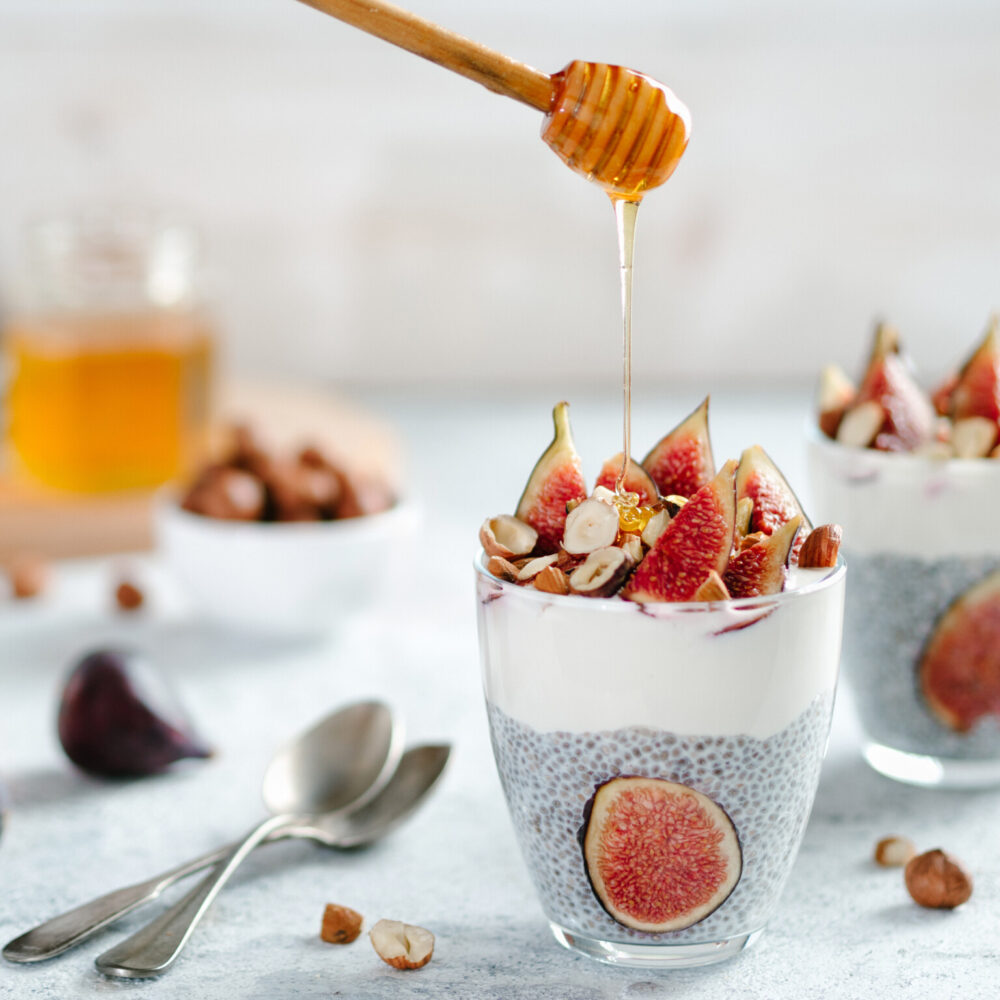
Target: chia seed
549 777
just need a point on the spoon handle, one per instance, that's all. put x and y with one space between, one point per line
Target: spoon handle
155 947
75 926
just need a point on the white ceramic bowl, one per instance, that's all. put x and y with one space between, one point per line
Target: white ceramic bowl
292 580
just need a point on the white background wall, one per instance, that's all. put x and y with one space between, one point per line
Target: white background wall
375 219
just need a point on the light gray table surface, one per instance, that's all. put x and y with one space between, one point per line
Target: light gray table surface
844 928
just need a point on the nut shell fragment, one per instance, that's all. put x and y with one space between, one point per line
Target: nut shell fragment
713 589
341 924
403 946
502 568
937 880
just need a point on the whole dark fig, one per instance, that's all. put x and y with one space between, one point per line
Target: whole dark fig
119 717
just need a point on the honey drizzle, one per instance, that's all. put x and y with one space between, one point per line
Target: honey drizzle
626 211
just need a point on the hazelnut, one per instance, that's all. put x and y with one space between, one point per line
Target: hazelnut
128 596
937 880
341 924
29 576
403 946
894 852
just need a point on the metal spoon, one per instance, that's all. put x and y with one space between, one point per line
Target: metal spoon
154 948
340 763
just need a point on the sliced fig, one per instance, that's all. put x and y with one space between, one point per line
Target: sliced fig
941 396
761 569
977 391
119 718
960 666
696 541
836 393
909 416
660 856
774 503
637 481
682 462
556 480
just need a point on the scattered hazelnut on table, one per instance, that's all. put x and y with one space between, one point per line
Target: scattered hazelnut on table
937 880
894 852
28 574
128 596
403 946
341 924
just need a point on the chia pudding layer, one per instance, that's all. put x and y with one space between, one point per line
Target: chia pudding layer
893 605
766 786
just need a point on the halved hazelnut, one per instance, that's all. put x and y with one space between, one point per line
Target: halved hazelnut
533 567
655 527
403 946
860 424
507 536
601 573
974 437
341 924
894 852
592 525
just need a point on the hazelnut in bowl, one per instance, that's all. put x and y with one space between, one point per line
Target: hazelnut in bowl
285 545
914 478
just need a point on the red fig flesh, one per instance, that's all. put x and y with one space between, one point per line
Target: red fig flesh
977 390
681 463
556 479
660 856
909 415
960 667
638 479
774 503
761 568
696 541
118 718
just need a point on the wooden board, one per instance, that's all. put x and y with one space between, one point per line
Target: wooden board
61 525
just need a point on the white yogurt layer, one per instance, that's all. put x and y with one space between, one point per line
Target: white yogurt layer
906 505
582 665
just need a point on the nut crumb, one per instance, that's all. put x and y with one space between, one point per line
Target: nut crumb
341 924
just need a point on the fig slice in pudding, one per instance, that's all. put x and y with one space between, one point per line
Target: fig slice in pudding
761 569
960 667
556 479
637 481
681 463
909 414
696 541
660 856
774 502
977 389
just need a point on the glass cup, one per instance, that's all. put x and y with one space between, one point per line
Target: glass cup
108 352
918 533
732 699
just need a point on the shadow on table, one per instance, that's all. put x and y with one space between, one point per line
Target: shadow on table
851 792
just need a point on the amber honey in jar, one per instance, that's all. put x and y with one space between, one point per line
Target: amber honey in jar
108 354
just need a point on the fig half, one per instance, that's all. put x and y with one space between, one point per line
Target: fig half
660 856
960 668
681 462
119 718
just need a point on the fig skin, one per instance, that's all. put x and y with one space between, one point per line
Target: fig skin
118 718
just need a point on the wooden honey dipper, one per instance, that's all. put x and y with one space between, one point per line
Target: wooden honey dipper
619 128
